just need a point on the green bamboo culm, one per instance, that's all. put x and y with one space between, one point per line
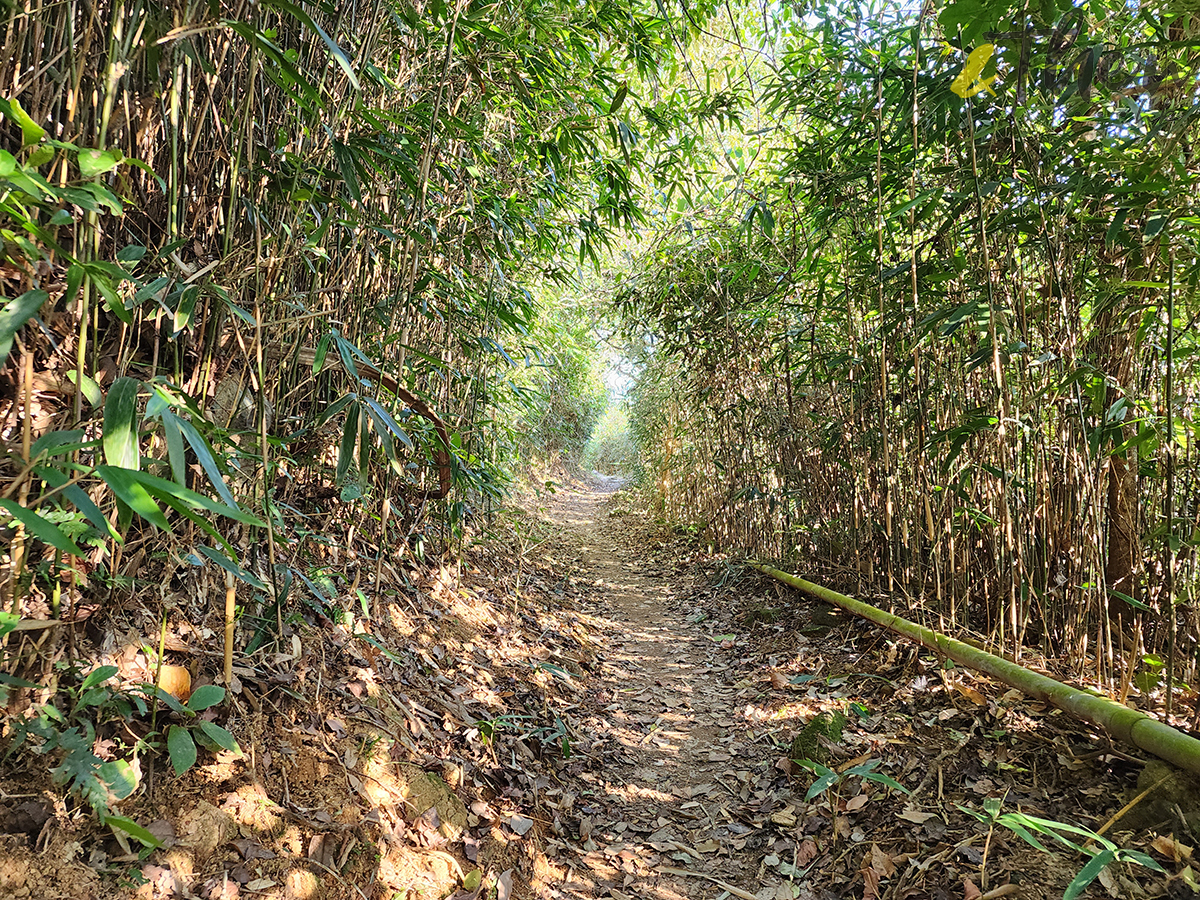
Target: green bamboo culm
1122 723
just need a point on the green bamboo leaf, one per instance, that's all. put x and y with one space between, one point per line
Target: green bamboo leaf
319 356
161 487
120 424
364 441
334 50
1089 873
103 283
133 829
174 446
618 99
14 316
91 390
56 478
345 161
349 436
336 407
133 495
40 528
208 462
230 566
182 748
186 308
385 418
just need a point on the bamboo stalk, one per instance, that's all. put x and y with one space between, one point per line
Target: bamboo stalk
230 604
1123 724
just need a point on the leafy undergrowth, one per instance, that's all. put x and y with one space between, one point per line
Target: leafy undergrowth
492 729
405 752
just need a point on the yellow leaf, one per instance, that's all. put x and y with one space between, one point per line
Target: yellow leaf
968 83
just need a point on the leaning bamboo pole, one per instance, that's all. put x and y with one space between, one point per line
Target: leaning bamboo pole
1122 723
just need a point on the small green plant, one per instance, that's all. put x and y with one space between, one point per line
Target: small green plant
1024 826
827 777
71 734
182 739
557 735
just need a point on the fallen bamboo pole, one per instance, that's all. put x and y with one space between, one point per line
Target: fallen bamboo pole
1122 723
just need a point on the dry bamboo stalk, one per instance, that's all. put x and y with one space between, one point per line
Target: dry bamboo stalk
230 599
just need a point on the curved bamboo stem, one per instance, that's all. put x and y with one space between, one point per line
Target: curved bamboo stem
1122 723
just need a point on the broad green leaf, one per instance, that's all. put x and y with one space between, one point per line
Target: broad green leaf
42 529
14 315
181 748
120 776
220 737
39 157
205 696
93 163
8 622
98 675
120 424
31 131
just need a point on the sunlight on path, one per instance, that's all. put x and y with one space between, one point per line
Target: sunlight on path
672 709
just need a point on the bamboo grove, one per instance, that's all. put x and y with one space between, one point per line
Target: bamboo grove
940 338
269 274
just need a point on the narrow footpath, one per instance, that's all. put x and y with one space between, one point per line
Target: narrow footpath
713 683
661 817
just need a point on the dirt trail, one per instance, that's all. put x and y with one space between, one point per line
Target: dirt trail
673 710
710 685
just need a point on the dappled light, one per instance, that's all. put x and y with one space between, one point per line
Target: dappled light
558 451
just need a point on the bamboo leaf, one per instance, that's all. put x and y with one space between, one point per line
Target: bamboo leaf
233 568
1089 873
133 495
164 488
208 462
120 440
15 314
349 436
335 51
